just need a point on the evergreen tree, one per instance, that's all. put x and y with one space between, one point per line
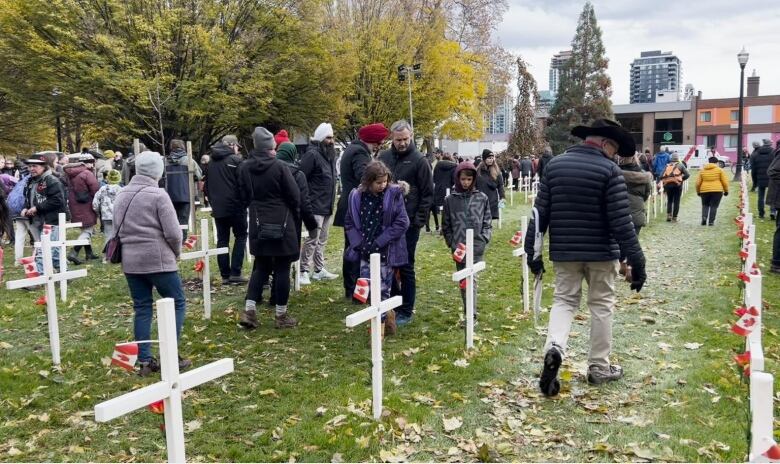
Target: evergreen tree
585 87
524 139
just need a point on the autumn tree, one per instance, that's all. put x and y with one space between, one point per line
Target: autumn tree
524 139
585 88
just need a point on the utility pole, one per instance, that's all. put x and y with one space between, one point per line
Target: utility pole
405 73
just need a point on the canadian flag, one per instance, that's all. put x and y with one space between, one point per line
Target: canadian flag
743 254
46 229
773 452
460 253
739 221
744 326
742 359
462 284
158 407
2 269
361 290
191 241
125 355
41 300
741 234
743 277
30 270
517 238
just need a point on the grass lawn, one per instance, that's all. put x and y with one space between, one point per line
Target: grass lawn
304 394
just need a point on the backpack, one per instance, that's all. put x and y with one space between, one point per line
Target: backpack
672 175
16 197
177 182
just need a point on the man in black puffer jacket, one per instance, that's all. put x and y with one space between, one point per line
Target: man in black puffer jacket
221 188
760 161
353 163
409 165
583 201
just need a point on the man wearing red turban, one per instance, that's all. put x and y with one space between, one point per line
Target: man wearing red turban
353 162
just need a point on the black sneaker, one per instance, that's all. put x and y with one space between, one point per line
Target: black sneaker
147 368
548 382
238 280
598 375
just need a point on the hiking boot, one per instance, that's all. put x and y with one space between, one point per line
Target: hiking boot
88 254
390 326
323 274
704 222
74 258
237 280
674 219
225 281
184 364
403 319
304 279
548 381
249 319
598 375
668 218
285 321
147 368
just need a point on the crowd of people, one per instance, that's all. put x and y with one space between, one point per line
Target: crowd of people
283 200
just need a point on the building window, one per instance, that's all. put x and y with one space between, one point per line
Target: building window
705 116
734 115
710 141
730 141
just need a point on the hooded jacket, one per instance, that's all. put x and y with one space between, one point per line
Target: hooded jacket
103 203
583 201
306 216
443 179
659 163
395 222
493 188
81 183
546 158
639 185
467 209
759 165
269 190
47 194
353 164
412 167
712 179
319 167
221 185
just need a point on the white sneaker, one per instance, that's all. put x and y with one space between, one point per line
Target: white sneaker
304 279
323 274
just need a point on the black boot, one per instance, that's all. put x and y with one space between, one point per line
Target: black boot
88 254
73 256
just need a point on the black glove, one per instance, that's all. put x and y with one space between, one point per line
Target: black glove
638 276
536 265
725 194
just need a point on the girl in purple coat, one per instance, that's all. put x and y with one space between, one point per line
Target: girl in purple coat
376 222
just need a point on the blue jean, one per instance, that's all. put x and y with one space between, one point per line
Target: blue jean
168 285
408 288
231 265
55 251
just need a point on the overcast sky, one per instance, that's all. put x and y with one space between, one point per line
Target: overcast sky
706 36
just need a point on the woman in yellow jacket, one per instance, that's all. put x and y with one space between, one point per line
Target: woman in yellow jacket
711 186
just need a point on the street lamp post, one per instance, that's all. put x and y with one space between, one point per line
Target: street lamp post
742 58
405 73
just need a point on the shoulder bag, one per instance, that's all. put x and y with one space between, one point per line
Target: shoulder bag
114 245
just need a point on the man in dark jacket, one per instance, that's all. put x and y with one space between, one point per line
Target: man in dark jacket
221 188
409 165
178 169
547 156
583 201
318 164
526 169
353 163
760 161
773 199
44 200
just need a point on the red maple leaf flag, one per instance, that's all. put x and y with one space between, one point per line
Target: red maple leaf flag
158 407
191 241
743 277
773 452
30 270
361 290
743 359
46 229
462 284
517 238
125 355
743 254
744 326
460 253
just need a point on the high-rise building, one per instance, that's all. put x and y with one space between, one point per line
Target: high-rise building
654 71
556 68
500 120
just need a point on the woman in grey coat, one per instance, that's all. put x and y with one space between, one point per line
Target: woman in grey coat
145 220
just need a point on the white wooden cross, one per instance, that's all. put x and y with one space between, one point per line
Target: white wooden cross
49 278
206 253
520 251
374 314
62 242
762 420
468 273
169 389
297 266
753 342
207 209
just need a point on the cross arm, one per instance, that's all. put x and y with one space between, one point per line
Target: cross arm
518 252
14 284
69 275
363 315
59 243
129 402
203 254
463 273
205 373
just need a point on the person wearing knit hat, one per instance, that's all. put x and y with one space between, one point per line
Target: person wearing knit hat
103 204
109 154
264 142
281 137
353 163
318 164
287 152
150 164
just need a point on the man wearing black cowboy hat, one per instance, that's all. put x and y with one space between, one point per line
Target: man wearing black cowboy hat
584 202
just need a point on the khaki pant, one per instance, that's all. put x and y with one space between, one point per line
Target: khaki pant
600 277
314 246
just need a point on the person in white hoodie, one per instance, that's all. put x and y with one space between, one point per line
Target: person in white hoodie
103 204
